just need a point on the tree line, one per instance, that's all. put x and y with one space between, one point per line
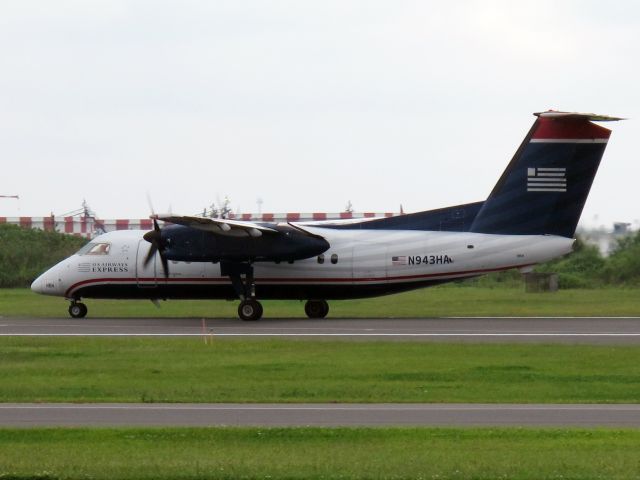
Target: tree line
25 253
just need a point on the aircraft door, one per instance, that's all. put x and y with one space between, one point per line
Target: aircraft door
370 262
146 277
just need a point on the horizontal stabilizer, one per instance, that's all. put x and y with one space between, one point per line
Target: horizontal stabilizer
592 117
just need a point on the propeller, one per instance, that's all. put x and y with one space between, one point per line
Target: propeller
154 237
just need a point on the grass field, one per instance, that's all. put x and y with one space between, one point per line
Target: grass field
187 370
317 453
451 300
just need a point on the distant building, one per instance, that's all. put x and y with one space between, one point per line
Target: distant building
605 239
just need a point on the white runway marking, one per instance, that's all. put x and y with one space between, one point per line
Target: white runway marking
541 318
214 334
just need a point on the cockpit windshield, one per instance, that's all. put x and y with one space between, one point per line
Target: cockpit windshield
95 248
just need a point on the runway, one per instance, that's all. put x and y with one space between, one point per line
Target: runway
574 330
327 415
541 330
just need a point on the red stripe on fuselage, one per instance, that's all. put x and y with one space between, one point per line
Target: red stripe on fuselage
164 281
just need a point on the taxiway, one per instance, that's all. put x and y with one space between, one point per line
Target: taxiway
585 330
123 414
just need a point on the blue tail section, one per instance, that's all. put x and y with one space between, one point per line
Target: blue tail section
544 188
458 218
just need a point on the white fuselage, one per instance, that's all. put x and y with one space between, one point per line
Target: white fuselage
359 263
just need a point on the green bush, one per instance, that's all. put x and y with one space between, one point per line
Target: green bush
25 253
571 280
583 268
623 265
508 278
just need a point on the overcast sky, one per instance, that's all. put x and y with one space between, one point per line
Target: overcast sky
306 105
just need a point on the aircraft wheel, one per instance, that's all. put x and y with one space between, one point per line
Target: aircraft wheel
78 310
250 310
316 308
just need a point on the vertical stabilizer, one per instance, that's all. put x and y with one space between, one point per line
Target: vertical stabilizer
544 188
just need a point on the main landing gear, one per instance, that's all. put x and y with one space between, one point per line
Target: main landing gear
250 309
316 308
77 309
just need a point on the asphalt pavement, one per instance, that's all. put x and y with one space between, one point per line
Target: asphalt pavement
327 415
585 330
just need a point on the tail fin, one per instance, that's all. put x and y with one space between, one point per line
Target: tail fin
545 186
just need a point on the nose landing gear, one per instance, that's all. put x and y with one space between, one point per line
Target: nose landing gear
250 310
77 310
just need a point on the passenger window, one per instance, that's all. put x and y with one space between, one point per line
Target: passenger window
321 258
334 258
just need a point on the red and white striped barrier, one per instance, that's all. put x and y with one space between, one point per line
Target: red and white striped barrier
89 227
80 226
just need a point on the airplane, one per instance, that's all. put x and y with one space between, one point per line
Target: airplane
529 217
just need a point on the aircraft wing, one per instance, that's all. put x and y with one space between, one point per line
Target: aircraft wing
220 226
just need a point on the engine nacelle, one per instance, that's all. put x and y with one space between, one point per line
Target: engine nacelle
192 245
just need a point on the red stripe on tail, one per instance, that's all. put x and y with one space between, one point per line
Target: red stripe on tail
569 128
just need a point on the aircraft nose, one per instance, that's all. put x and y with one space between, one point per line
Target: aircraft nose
47 283
38 285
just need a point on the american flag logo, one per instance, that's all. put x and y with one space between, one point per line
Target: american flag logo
84 267
399 260
546 179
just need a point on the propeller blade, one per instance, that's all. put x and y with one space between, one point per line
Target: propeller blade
165 264
154 237
150 203
152 251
